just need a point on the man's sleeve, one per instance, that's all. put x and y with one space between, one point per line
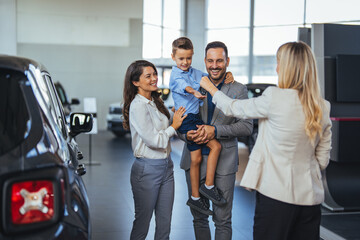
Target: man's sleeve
241 127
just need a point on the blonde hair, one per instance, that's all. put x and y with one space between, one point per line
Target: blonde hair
297 70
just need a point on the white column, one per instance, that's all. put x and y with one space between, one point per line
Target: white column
195 23
8 38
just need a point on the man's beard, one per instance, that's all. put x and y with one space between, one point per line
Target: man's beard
220 77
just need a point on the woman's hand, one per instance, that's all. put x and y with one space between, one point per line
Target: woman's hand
208 85
178 118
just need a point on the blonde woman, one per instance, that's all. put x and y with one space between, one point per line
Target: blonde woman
292 147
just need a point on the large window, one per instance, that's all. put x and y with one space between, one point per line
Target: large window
322 11
231 26
274 23
253 30
162 23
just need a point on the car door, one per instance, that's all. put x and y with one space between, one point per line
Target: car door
77 190
69 146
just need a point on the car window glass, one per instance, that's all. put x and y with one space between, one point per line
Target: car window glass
61 93
60 119
14 118
47 97
50 109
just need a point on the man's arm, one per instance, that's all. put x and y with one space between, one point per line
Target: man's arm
198 136
241 127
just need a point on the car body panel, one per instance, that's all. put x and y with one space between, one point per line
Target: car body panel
47 148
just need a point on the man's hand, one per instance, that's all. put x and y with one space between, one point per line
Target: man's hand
209 130
198 136
202 135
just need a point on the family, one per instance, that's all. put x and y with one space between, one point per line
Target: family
211 112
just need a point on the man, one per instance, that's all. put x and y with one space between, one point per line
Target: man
225 130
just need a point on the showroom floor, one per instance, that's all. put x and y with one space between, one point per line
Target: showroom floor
111 202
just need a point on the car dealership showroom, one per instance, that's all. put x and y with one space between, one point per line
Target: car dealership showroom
92 139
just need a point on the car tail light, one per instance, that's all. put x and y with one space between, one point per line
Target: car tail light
32 201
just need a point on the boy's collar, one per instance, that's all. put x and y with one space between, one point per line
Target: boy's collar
181 71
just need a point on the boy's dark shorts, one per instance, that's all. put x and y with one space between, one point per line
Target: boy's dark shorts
188 124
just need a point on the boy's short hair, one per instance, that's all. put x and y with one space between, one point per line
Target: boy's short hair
182 43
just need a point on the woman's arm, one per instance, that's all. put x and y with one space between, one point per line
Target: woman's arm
142 119
241 108
143 123
208 86
322 151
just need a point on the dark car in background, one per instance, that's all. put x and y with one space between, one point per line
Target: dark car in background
115 117
42 193
64 99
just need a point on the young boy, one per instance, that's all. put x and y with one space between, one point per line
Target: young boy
185 85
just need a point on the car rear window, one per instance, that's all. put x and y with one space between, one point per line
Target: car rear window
14 115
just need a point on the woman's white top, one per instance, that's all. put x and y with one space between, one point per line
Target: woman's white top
283 164
150 130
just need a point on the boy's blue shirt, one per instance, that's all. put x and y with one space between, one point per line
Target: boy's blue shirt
179 80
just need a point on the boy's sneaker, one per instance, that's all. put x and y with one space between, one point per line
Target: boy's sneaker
199 205
213 194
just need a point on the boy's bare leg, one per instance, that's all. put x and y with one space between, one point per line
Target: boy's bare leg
195 172
215 148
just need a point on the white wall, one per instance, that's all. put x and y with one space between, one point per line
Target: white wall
101 23
85 44
8 27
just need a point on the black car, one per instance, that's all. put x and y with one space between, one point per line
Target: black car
64 99
42 192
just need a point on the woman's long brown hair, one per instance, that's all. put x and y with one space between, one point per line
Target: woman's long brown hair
133 74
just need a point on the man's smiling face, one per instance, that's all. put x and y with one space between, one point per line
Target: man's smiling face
216 63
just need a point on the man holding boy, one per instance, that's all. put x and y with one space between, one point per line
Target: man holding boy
225 130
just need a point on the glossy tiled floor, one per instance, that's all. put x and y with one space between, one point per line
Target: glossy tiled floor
111 202
110 195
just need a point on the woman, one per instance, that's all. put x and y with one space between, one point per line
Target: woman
152 178
292 147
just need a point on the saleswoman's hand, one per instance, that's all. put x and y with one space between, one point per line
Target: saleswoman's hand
178 118
208 85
